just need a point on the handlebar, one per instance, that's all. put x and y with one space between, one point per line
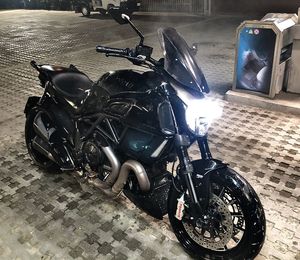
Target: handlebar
103 49
35 65
141 54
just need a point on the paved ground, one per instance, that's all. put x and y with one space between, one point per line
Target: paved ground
49 217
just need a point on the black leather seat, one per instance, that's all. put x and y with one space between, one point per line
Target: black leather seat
72 85
72 89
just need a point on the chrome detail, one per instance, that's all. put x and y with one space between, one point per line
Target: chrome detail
39 147
140 173
115 165
159 149
117 188
114 183
97 183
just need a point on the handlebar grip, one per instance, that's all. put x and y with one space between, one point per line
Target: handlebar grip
35 65
103 49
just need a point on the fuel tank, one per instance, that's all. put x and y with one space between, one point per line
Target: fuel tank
137 111
120 82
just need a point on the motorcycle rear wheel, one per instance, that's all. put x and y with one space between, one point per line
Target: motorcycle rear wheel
245 232
38 158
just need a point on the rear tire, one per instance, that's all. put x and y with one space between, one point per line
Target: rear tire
202 246
38 158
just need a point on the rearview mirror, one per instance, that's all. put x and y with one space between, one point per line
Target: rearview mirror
122 18
125 17
118 15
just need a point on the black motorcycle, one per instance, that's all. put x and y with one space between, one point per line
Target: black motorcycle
118 134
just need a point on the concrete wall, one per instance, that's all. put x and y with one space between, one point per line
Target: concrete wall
254 6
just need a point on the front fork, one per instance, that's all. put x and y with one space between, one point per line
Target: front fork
199 199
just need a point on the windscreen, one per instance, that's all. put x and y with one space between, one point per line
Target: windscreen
180 63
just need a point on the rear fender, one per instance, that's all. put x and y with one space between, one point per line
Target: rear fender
62 120
31 102
46 128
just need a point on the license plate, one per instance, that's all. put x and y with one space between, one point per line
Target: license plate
138 4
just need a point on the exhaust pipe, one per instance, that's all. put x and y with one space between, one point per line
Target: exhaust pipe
40 128
139 172
117 188
97 183
62 159
115 165
43 148
114 183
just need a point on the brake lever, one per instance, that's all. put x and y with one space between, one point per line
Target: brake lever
134 59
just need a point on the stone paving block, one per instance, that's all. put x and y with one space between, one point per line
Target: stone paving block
120 256
148 254
76 252
133 244
105 248
119 235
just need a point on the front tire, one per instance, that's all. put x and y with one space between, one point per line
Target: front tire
245 232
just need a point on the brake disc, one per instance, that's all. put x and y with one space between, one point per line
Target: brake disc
213 241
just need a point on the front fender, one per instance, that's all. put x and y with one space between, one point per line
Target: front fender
201 178
203 167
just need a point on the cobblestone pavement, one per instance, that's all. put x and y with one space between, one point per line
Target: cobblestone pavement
46 216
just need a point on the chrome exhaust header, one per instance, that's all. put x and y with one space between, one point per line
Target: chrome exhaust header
43 148
117 188
115 182
139 172
115 165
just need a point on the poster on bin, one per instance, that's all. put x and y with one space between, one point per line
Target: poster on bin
255 59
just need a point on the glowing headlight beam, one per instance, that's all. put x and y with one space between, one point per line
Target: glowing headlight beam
200 114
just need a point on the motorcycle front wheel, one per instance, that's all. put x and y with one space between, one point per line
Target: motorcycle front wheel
233 226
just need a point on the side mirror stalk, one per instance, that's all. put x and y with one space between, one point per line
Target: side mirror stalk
126 18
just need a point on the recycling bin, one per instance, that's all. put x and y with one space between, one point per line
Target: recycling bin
262 51
294 66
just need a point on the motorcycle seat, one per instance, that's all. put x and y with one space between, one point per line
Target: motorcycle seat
73 86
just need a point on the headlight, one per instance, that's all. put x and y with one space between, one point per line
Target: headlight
199 115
